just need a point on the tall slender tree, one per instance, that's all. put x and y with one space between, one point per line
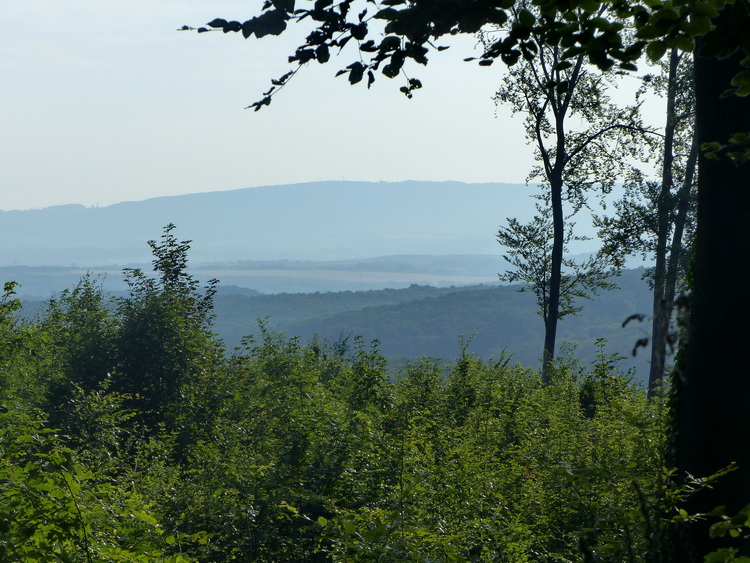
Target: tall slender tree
164 341
582 141
656 217
529 249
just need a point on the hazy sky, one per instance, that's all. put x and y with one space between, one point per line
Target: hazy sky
103 102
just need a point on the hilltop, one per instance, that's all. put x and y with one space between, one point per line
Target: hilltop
318 221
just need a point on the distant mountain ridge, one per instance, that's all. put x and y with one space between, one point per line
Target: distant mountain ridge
313 221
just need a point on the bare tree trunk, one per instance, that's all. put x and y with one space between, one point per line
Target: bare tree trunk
676 251
664 318
683 205
713 382
553 311
660 308
558 243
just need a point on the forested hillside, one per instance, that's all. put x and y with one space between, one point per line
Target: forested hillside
427 321
130 434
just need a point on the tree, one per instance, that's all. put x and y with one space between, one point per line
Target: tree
713 389
656 218
55 507
551 91
82 324
712 383
529 250
163 340
12 341
80 328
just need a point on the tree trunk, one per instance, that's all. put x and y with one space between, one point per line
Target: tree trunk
683 205
676 251
660 308
558 242
713 382
555 279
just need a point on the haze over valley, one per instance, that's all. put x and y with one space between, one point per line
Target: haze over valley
412 264
314 221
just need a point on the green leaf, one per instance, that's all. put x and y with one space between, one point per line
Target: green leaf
684 43
145 517
286 5
526 19
696 25
563 65
742 78
289 507
706 9
739 519
380 532
75 486
217 23
270 23
590 6
387 14
719 556
656 50
664 18
601 23
648 32
571 52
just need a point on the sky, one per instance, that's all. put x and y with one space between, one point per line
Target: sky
103 102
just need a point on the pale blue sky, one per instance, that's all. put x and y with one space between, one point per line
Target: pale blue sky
104 102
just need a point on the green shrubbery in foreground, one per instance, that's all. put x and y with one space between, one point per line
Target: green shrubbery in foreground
165 448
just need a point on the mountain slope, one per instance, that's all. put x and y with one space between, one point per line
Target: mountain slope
428 321
313 221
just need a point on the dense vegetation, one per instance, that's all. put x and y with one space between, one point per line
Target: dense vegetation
129 434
